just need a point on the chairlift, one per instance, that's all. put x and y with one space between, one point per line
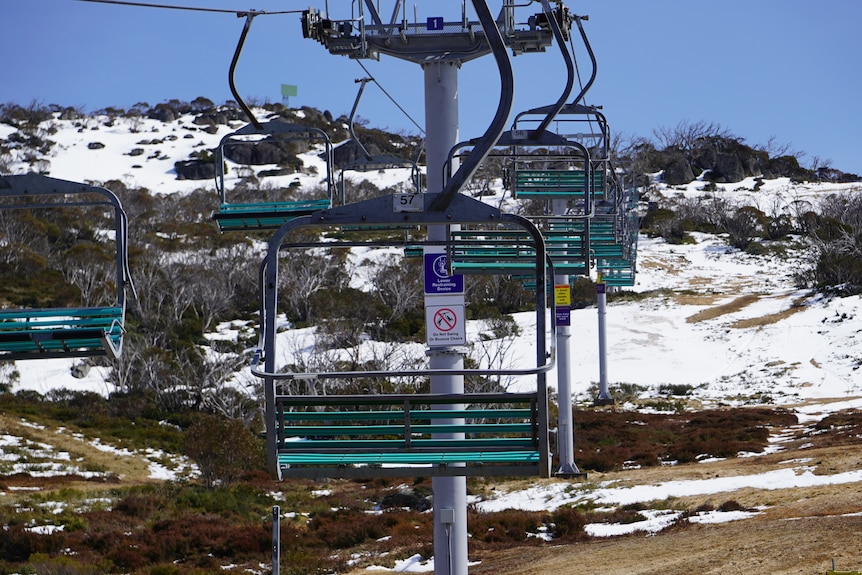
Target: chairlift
367 162
260 145
541 165
75 331
263 209
411 435
560 166
613 224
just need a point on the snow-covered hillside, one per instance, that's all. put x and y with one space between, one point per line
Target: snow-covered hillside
733 326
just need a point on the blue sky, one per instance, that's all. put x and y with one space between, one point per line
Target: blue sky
787 70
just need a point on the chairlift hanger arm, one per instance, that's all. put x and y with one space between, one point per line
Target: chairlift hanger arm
554 23
350 127
504 108
249 16
574 107
588 85
30 185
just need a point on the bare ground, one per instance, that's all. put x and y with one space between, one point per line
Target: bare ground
767 545
799 530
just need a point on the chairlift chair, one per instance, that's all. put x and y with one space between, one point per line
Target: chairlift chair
267 209
263 210
392 435
74 331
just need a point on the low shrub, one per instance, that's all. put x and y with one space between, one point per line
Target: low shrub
504 527
348 527
567 524
606 441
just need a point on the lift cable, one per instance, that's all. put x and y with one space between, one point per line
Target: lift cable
192 8
388 95
249 14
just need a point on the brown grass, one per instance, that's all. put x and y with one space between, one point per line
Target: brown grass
672 268
723 309
117 468
696 298
771 318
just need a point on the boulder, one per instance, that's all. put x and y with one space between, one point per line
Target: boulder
80 370
260 153
194 170
678 171
163 113
728 169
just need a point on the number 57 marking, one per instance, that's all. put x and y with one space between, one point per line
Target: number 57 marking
407 203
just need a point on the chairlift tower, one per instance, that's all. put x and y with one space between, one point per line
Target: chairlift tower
440 47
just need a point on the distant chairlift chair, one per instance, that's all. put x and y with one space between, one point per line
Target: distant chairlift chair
543 166
546 167
267 209
613 225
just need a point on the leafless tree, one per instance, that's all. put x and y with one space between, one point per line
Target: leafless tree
818 163
398 284
218 388
93 271
835 234
492 351
775 149
302 274
685 135
218 279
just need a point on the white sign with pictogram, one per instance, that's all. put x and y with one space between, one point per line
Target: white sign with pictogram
445 325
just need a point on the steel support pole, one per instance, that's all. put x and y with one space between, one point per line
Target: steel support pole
450 493
604 397
565 423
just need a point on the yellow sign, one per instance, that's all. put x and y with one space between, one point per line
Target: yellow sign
562 295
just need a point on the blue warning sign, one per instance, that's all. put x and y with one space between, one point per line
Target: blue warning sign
437 278
563 315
